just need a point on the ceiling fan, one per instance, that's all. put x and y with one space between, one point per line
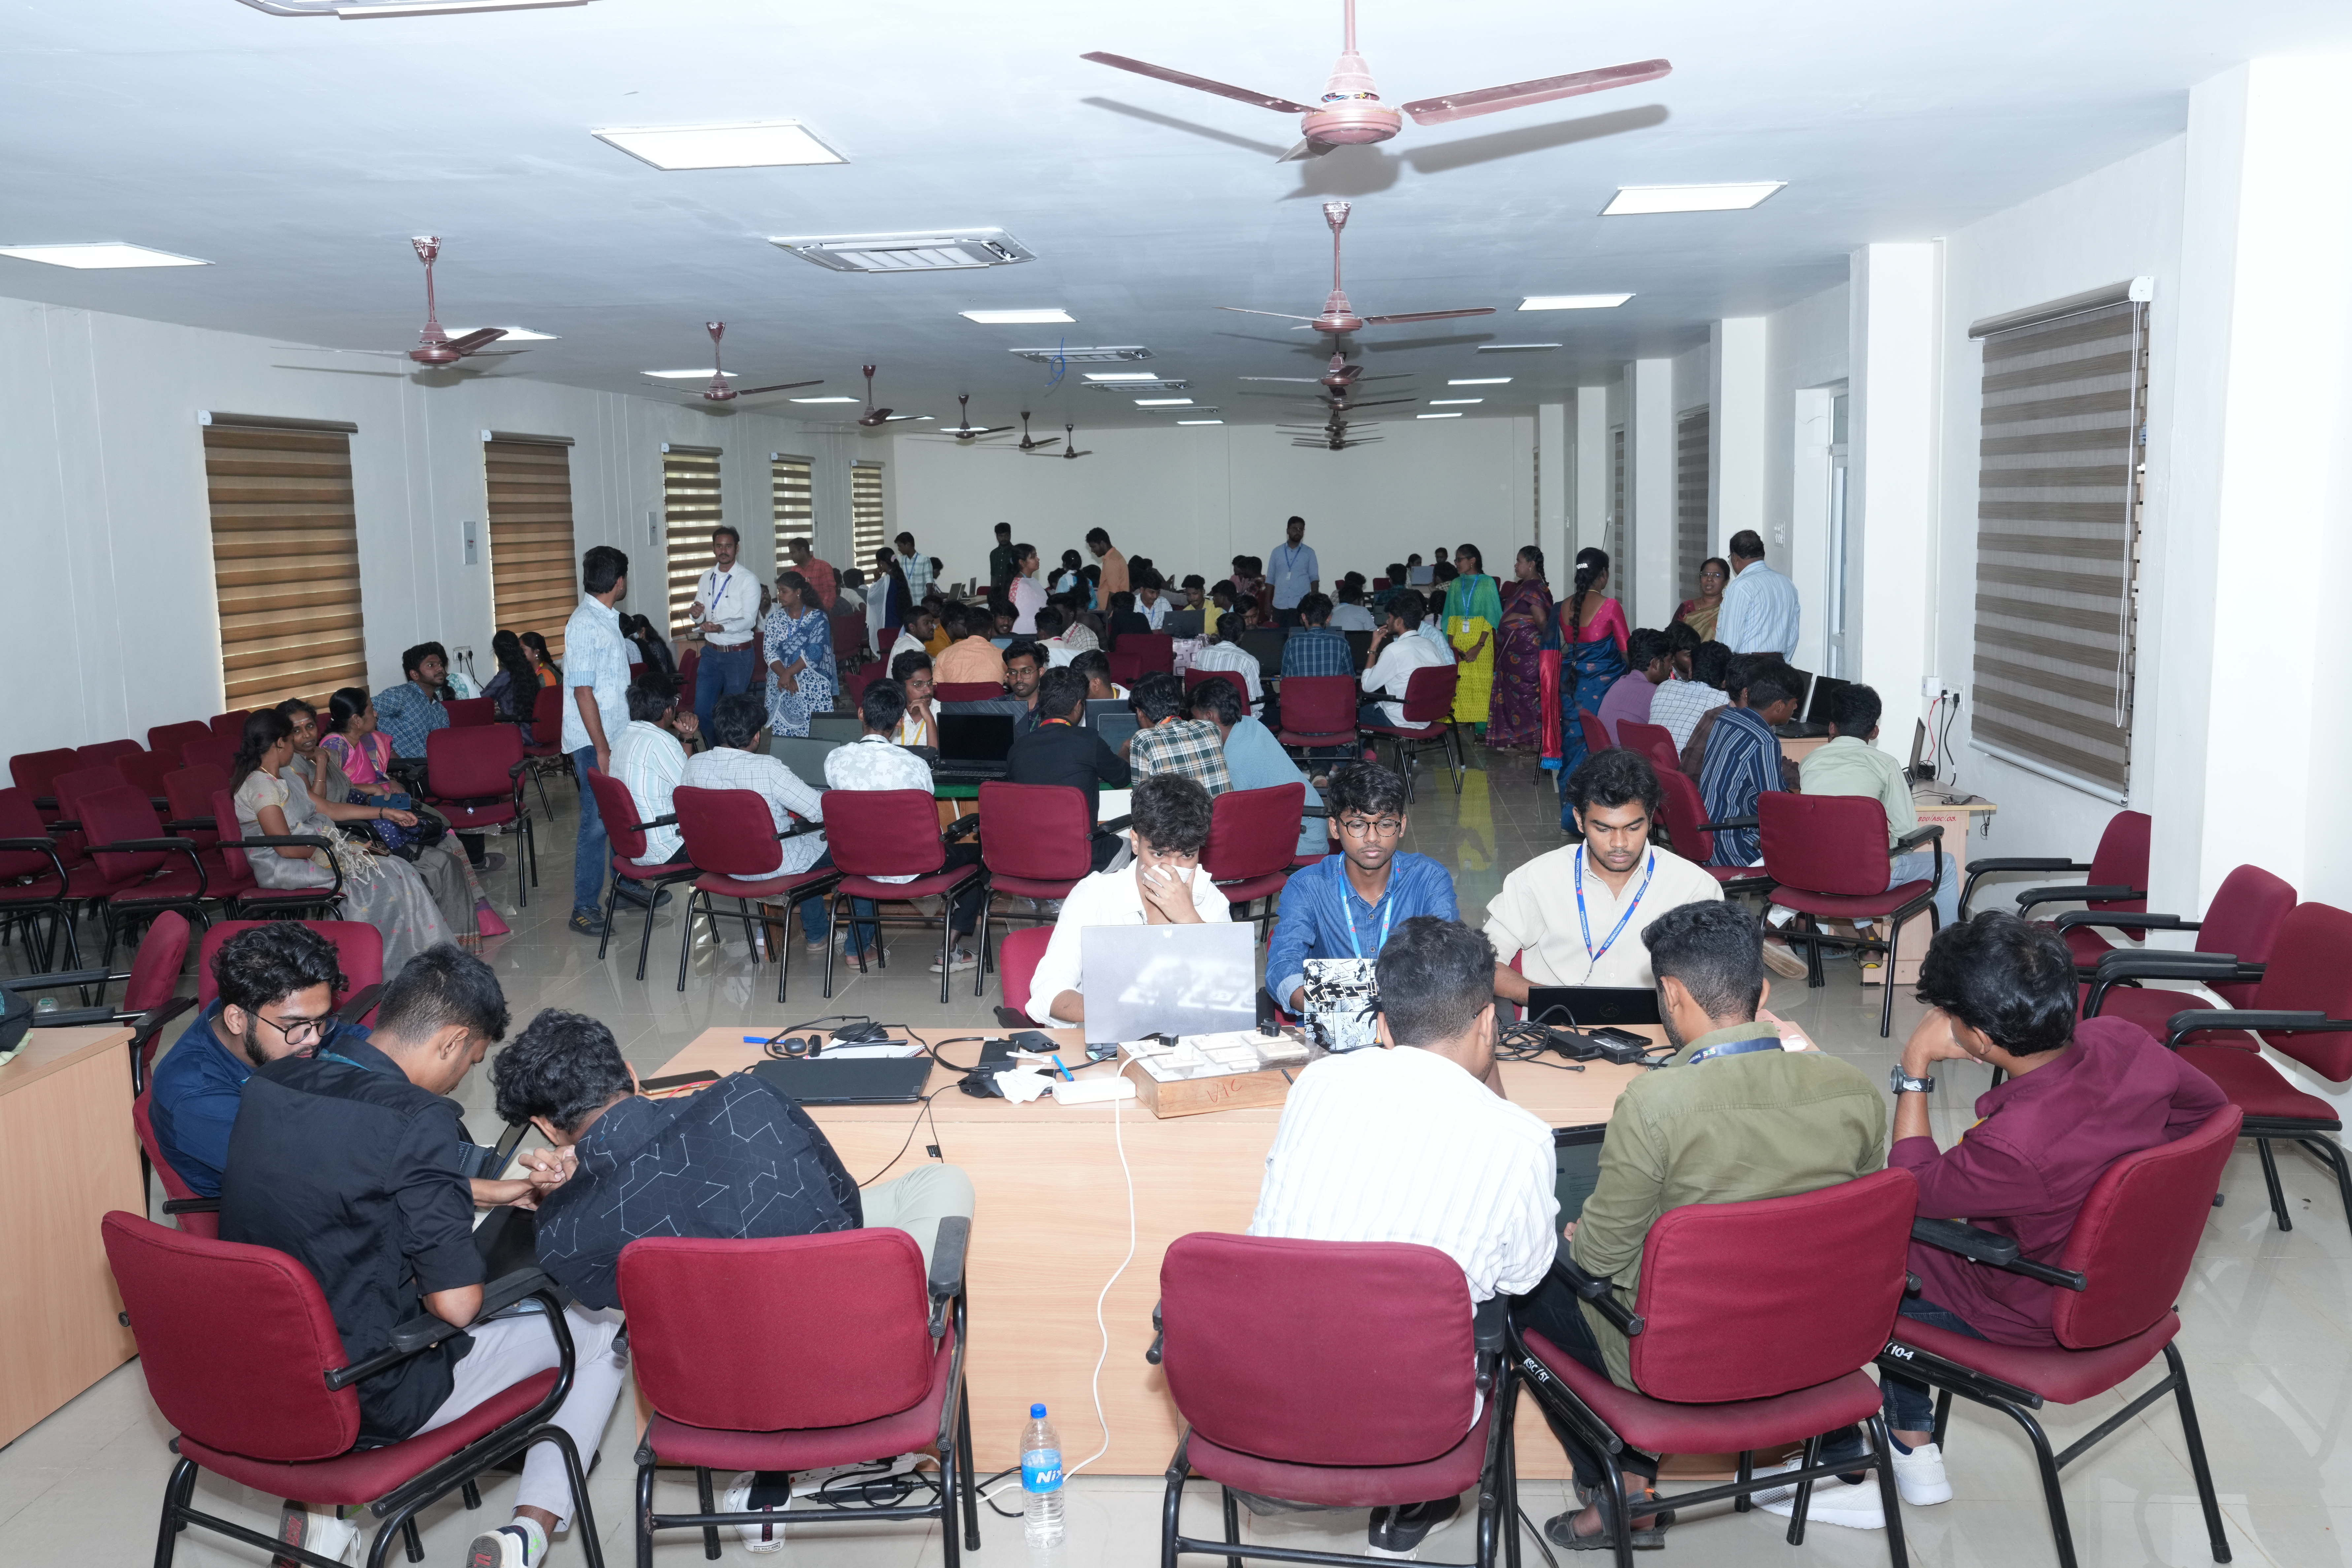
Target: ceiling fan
963 430
873 416
1027 445
1341 375
1072 450
434 348
1339 316
719 391
1350 110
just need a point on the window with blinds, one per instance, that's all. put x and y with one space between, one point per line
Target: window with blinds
2062 454
791 493
1616 539
866 524
1690 499
534 575
286 564
689 511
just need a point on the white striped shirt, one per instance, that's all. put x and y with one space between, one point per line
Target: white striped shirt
1403 1145
787 796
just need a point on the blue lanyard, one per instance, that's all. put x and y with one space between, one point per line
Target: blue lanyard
719 581
1736 1049
1619 929
1386 909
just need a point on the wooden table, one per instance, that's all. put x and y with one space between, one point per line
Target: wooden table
67 1154
1052 1226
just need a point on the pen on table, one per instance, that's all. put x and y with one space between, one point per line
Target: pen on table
1062 1071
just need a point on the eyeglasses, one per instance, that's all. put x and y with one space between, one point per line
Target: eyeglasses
298 1031
1367 827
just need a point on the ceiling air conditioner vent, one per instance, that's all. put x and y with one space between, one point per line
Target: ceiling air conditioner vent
909 252
1169 384
1084 356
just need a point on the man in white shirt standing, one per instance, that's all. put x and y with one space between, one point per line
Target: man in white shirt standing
918 568
1165 885
1294 572
1414 1142
596 676
650 759
1761 613
725 611
1398 649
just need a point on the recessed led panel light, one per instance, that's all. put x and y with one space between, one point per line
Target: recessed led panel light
758 144
821 400
1120 375
1437 417
1573 301
1511 348
1199 422
1163 403
1016 318
687 375
513 334
1442 402
1480 381
1633 199
110 253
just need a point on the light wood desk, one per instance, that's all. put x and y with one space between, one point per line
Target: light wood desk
1052 1228
67 1154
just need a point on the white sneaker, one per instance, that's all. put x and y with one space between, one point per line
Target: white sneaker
1833 1501
1920 1476
518 1544
959 960
321 1530
756 1537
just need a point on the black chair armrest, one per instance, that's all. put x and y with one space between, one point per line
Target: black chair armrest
28 845
946 1282
2140 964
1602 1294
1994 1251
2077 893
2073 918
62 977
1159 1337
140 846
1726 824
192 1206
424 1331
2192 1020
357 1007
962 827
1918 835
2026 863
45 803
1490 1322
279 841
74 1018
670 821
64 824
192 824
1323 811
800 829
1116 825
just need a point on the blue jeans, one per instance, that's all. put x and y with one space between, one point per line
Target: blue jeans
722 672
592 850
1907 1405
1920 865
816 912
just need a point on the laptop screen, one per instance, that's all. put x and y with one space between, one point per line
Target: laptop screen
975 737
1117 728
1168 980
1825 692
1592 1006
1576 1167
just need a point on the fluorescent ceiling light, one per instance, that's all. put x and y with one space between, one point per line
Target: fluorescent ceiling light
1633 199
821 400
1481 381
1573 301
757 145
1163 403
1442 402
107 253
1016 318
513 334
1121 376
687 375
1507 348
1199 422
1437 417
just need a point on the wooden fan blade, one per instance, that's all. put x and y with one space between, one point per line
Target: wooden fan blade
1198 83
1281 315
480 339
780 386
1426 316
1488 100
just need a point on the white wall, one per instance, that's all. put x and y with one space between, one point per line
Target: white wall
108 539
1805 351
1191 498
1896 459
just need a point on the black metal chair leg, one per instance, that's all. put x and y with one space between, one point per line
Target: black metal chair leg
710 1504
2270 1180
1882 1451
1743 1502
963 1457
2061 1535
645 942
2332 1155
613 902
175 1497
2197 1465
686 935
1812 1455
412 1543
1232 1525
645 1515
1170 1509
471 1494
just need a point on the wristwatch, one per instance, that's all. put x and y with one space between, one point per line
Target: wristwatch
1904 1083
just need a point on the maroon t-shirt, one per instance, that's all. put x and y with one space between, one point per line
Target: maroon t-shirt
2025 1169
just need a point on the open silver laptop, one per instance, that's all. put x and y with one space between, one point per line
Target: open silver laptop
1167 980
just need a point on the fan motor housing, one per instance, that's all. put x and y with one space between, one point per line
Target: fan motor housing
1352 121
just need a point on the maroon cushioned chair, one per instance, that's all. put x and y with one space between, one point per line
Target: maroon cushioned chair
35 773
358 954
849 646
1655 742
1152 650
1691 835
1704 1391
1318 712
1051 853
242 1357
229 726
730 843
544 751
2234 942
243 898
1827 857
73 785
1125 665
796 1353
213 753
2112 1295
188 795
689 668
473 713
98 753
2117 880
147 1000
625 825
150 872
196 1215
34 880
891 833
167 738
1596 734
1016 965
1194 678
474 777
968 691
144 770
1428 709
1252 834
1402 1397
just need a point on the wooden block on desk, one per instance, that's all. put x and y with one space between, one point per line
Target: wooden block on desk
1190 1097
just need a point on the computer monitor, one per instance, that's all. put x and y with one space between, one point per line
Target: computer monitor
975 737
1825 692
1168 980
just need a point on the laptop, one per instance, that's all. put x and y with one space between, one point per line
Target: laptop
1101 707
1183 624
1168 980
1813 719
853 1081
1797 727
1915 770
1592 1006
1117 728
973 746
804 755
1575 1167
842 726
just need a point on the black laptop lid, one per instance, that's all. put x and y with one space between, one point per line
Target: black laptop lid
849 1081
1825 692
1592 1006
975 737
1576 1167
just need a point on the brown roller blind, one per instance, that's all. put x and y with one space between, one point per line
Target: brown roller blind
866 524
792 492
2060 457
1690 499
689 511
534 575
286 562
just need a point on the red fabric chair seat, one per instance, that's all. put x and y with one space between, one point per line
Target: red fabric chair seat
739 888
1660 1426
2060 1376
1353 1485
1837 906
2151 1009
938 884
1410 732
1249 889
473 818
364 1475
1030 887
1016 963
2255 1086
1335 738
1300 862
907 1431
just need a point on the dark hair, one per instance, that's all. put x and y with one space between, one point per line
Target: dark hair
798 584
736 719
1021 648
1396 572
2012 979
1716 560
907 663
1591 565
269 963
1530 552
1645 648
1092 662
1854 711
601 567
1365 788
1443 570
1223 585
412 659
731 530
536 645
1408 606
1071 559
884 704
1094 534
1435 976
565 1066
1122 602
350 701
444 984
262 730
1351 592
1746 545
903 538
1221 698
294 705
1711 664
522 674
1194 580
1049 623
1157 695
1007 527
1683 637
1300 520
1171 812
651 695
1022 553
1715 949
1614 778
1060 690
958 621
1316 608
1770 682
1477 557
1092 573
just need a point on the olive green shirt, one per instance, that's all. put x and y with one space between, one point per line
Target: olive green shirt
1763 1124
1851 765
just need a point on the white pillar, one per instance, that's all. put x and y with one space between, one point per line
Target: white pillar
1735 430
1646 588
1893 475
1590 525
1556 470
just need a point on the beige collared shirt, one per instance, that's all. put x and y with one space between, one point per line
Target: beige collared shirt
1535 914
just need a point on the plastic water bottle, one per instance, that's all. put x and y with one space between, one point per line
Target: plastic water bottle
1040 1481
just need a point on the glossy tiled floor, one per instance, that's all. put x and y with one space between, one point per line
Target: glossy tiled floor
2268 1316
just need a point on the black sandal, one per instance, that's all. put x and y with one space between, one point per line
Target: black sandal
1561 1530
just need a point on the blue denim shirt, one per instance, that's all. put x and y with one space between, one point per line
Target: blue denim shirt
1318 907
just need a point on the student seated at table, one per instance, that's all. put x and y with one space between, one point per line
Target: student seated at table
1575 914
1124 619
1164 886
1095 665
649 757
1345 905
1314 648
1255 760
1060 752
921 629
1169 739
1743 756
1679 706
917 681
1650 664
1414 1141
1852 764
1350 615
971 659
1732 1116
872 763
1025 661
1398 649
1058 649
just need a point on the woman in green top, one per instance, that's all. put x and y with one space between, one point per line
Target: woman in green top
1473 611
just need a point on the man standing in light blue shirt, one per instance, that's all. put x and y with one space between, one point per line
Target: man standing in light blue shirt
1759 612
597 678
1294 572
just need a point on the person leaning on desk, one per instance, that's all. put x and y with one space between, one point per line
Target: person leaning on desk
1165 885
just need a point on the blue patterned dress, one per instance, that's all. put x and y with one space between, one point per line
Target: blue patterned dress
807 638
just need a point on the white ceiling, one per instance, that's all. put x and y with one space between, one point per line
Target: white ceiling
298 154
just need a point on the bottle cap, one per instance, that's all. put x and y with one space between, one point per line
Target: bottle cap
1036 1413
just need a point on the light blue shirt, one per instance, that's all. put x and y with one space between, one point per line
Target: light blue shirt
1293 571
595 655
1759 613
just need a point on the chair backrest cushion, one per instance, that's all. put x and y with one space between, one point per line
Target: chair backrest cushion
472 712
1429 694
727 832
359 954
213 753
2310 971
1319 704
617 809
1318 1352
883 832
2121 859
1053 839
1655 742
1252 832
155 971
1833 843
1016 963
19 818
472 764
169 738
1596 733
2244 919
98 753
1823 1268
35 773
2136 1233
230 726
781 1334
224 814
1683 810
118 815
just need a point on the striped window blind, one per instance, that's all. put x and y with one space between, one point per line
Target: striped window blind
792 490
866 524
286 564
2061 457
689 511
1616 538
1690 499
534 575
